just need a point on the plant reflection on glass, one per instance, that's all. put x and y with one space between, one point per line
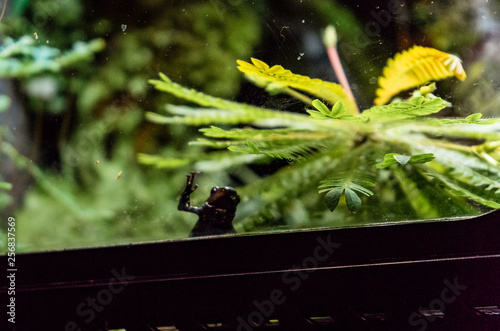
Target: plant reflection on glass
396 158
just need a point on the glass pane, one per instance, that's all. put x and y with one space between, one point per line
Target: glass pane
112 112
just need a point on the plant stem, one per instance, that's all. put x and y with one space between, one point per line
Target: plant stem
298 95
333 55
451 146
330 40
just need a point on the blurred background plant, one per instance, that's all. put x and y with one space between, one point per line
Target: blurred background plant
82 125
68 128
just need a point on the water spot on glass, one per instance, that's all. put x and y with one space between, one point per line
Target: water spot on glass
303 21
124 27
373 80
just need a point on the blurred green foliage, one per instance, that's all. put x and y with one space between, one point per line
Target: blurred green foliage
79 200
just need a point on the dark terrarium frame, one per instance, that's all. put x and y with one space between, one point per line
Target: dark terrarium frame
427 275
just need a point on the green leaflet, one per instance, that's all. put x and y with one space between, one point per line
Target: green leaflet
394 158
476 119
416 106
348 186
352 200
401 159
332 198
276 79
421 158
338 111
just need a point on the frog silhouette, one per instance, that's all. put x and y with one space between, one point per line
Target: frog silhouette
216 215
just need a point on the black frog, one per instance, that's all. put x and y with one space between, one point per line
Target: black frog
217 213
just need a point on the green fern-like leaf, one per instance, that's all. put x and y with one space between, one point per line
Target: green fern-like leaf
474 178
416 106
213 162
266 135
432 174
463 192
280 150
222 111
276 143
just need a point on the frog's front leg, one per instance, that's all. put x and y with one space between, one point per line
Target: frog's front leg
185 201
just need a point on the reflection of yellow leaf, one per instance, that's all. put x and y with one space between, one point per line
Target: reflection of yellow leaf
415 67
276 79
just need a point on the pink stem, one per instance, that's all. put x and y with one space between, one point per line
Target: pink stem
333 55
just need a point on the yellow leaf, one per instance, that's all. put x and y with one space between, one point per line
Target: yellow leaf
416 66
276 79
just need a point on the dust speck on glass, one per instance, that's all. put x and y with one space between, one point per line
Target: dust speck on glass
291 115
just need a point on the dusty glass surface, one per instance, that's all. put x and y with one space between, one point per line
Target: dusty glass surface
96 144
